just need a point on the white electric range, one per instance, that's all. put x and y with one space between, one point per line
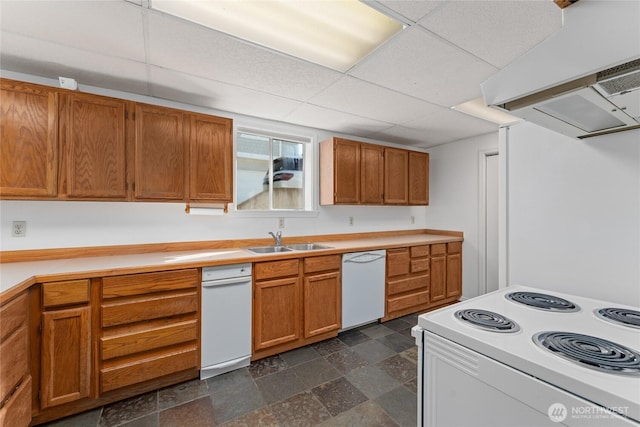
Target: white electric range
513 374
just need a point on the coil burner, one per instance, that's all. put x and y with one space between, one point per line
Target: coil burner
543 301
487 320
620 316
591 352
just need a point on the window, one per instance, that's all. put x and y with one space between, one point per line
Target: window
272 172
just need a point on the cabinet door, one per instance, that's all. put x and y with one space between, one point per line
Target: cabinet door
371 174
396 186
418 178
93 136
211 159
160 154
66 356
454 275
322 303
346 177
276 312
29 140
438 273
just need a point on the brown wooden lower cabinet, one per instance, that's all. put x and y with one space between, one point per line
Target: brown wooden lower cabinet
422 277
295 303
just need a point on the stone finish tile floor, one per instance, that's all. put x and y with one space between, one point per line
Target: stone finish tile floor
364 377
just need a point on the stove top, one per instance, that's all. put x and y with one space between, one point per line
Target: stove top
518 349
487 320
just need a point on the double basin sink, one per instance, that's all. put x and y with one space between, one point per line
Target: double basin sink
288 248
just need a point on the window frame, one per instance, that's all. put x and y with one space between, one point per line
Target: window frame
309 170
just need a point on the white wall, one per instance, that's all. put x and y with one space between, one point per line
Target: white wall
573 210
78 224
454 186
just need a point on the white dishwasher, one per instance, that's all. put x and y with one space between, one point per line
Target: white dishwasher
363 298
226 319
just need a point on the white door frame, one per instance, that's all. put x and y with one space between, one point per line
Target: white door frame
482 209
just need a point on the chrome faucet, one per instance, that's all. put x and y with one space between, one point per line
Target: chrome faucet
277 237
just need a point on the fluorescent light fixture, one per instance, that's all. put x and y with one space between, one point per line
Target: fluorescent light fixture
333 33
478 108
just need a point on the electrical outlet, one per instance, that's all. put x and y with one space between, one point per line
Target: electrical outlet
280 222
350 220
19 228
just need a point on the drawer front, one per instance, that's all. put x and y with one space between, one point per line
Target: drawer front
454 247
141 309
12 315
17 410
418 265
400 303
146 283
397 262
322 263
276 269
404 285
13 361
439 249
62 293
148 368
419 251
144 340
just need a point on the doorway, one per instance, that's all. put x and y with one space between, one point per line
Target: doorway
488 224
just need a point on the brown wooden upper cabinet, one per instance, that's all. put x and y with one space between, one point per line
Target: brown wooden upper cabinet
358 173
67 145
28 140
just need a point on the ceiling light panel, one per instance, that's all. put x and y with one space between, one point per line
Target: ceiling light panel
333 33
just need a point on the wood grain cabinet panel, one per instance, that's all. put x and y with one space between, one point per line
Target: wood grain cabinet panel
160 154
93 138
28 141
322 295
211 159
340 172
396 178
66 356
418 178
145 283
371 174
276 312
65 293
148 308
16 412
14 352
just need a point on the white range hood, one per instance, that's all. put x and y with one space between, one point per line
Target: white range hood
582 81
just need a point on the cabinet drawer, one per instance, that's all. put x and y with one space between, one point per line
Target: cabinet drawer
62 293
439 249
418 265
146 283
13 361
12 315
17 410
151 367
419 251
397 262
152 338
404 285
276 269
141 309
400 303
322 263
454 247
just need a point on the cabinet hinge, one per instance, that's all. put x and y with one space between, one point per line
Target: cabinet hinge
40 328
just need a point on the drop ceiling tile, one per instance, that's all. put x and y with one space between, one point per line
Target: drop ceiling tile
193 90
496 31
424 66
365 99
107 27
335 121
196 50
439 128
414 10
30 56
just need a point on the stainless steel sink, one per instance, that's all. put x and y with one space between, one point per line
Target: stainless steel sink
269 249
307 247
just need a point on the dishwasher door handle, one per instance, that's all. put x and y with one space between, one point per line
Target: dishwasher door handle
364 258
223 282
